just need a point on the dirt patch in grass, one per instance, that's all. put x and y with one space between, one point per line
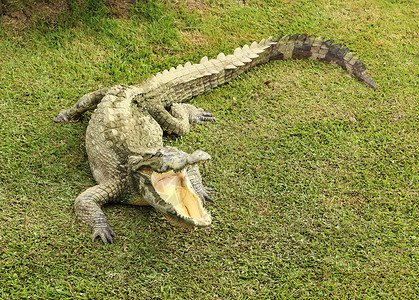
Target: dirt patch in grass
195 5
119 8
193 37
20 14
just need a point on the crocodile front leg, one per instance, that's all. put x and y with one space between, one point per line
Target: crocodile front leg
87 102
196 180
88 208
180 117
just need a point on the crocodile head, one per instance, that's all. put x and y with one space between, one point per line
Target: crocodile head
162 180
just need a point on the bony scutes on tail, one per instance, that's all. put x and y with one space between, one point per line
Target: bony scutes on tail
124 136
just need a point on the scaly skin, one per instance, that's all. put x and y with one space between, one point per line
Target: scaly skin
124 136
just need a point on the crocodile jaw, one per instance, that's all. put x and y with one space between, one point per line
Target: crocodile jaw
176 189
175 198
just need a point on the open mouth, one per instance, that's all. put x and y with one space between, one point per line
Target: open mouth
176 190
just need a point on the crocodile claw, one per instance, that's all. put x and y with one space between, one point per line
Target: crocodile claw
206 195
105 232
201 116
64 117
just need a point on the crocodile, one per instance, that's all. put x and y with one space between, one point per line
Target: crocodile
124 138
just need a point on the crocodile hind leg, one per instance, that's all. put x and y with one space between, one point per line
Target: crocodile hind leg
87 102
88 208
181 115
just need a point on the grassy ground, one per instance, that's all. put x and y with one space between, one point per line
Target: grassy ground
317 175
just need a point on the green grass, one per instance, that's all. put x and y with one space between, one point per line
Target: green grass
317 175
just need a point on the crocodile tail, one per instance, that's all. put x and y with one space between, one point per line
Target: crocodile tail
317 48
184 82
